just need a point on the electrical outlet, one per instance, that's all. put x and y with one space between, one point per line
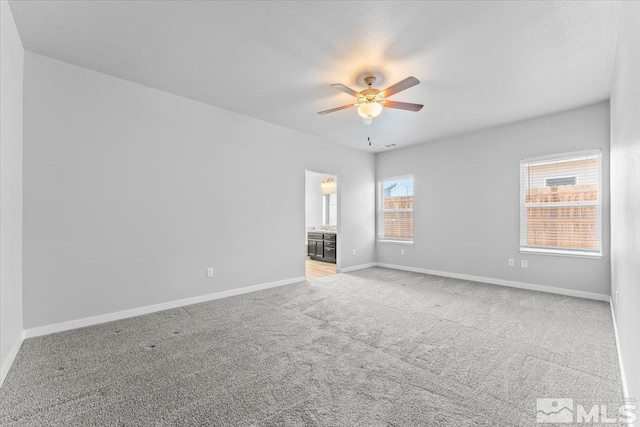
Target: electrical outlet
512 262
353 252
524 263
210 272
401 251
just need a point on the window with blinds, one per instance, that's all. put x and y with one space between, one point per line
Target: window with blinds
395 209
561 204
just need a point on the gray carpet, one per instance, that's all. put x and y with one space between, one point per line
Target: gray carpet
374 347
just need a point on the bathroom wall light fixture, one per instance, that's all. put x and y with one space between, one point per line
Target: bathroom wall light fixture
328 186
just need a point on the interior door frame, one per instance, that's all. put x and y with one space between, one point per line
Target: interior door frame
338 215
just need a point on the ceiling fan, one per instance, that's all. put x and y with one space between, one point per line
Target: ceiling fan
371 101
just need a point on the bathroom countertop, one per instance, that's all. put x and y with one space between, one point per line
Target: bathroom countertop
322 231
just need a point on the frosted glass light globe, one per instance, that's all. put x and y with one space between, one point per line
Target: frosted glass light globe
369 110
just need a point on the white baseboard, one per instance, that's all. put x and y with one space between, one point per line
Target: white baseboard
501 282
6 364
356 267
109 317
623 377
94 320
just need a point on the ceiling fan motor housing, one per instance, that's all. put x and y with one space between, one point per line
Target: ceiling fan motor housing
370 94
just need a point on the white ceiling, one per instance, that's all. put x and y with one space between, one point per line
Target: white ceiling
480 63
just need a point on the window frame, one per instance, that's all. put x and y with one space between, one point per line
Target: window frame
569 252
380 210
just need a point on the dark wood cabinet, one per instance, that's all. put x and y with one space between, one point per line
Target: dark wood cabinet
322 246
316 248
329 254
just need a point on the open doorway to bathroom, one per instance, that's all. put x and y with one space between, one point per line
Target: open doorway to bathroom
321 222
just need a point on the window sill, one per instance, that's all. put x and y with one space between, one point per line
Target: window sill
395 242
561 252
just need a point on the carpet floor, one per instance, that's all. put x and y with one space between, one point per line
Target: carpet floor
373 347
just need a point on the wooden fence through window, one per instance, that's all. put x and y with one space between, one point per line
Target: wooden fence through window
398 225
563 226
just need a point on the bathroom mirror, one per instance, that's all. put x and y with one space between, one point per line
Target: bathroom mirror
330 209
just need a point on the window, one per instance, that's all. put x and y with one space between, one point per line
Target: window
395 210
561 204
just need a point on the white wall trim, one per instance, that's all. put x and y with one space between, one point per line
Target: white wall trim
356 267
623 377
109 317
94 320
501 282
6 365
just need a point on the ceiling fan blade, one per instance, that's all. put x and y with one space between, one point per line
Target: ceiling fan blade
345 89
344 107
403 105
400 86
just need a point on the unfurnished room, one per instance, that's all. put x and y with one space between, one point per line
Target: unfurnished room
319 213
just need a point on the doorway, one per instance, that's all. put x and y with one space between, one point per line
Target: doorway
321 224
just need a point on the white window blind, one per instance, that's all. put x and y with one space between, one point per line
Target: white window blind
395 209
561 204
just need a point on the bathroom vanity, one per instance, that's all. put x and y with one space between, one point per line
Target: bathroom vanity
321 245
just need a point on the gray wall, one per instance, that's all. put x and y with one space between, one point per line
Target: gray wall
11 75
625 193
130 193
467 200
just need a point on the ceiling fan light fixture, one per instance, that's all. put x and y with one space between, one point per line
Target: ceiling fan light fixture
369 102
369 110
